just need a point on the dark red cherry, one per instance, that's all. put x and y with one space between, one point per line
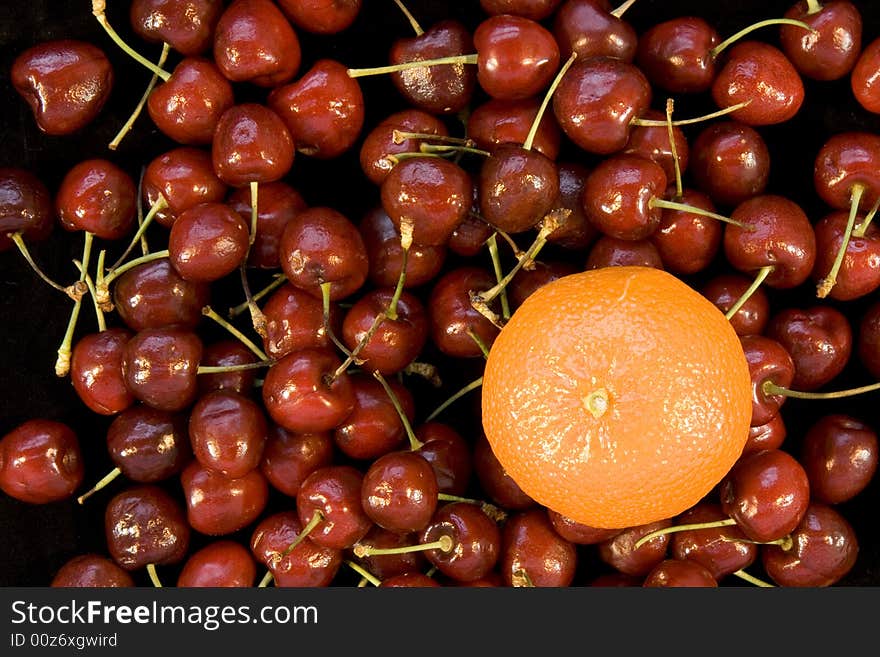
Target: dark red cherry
40 462
99 197
228 432
830 50
96 371
863 79
868 340
188 27
188 106
610 251
383 141
574 231
597 100
517 57
688 242
321 245
533 554
161 367
217 505
277 204
288 458
824 550
448 453
306 565
476 541
859 271
304 393
677 54
254 42
470 237
528 281
495 122
321 16
652 142
91 571
726 289
578 533
760 74
493 478
588 28
399 492
839 454
768 361
148 445
228 353
442 89
207 242
845 160
221 563
730 161
770 435
452 316
295 320
251 144
677 573
818 339
537 10
183 177
620 551
387 566
65 82
334 493
25 207
410 580
766 493
722 550
145 525
373 428
323 109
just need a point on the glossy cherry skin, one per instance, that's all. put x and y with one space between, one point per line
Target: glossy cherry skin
652 142
768 361
730 161
864 79
225 353
770 435
373 427
677 573
302 393
228 432
97 196
379 144
207 242
399 492
148 445
432 193
620 552
65 82
528 281
91 571
688 242
320 16
386 566
40 462
516 57
725 289
493 478
221 563
766 493
295 320
597 100
188 27
96 371
845 160
839 454
254 42
145 525
323 109
760 73
160 366
819 340
444 89
184 177
153 295
321 245
251 144
530 545
288 458
575 231
830 51
277 204
307 565
610 251
868 340
452 315
588 28
676 55
476 541
188 106
217 505
495 122
537 10
470 237
859 272
721 550
25 206
448 453
578 533
825 549
334 492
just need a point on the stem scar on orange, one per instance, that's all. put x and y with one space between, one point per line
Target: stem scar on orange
617 396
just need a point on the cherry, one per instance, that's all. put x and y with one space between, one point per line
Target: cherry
476 541
768 361
251 145
288 458
818 339
277 204
306 565
221 563
839 454
148 445
687 241
227 353
145 527
452 316
40 462
533 554
577 532
98 197
333 495
182 177
207 242
304 393
96 371
65 82
160 366
493 478
824 548
399 492
610 251
528 281
471 235
91 571
574 231
730 161
679 573
254 42
868 340
721 549
830 50
495 122
652 142
725 289
228 432
217 505
387 561
863 78
449 455
859 271
295 321
323 109
536 10
25 207
770 435
678 55
186 27
591 29
410 580
627 553
400 132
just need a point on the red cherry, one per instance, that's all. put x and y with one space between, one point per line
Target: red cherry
222 563
40 462
217 505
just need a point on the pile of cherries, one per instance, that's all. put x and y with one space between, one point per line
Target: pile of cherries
268 299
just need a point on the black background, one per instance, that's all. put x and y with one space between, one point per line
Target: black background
36 540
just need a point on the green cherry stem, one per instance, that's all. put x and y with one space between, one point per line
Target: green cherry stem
492 244
62 362
155 209
414 443
770 389
317 518
106 479
444 543
533 130
679 186
98 9
99 314
751 579
364 573
403 66
209 312
619 11
154 576
473 385
277 281
681 528
762 274
18 240
412 20
129 124
862 227
717 50
824 287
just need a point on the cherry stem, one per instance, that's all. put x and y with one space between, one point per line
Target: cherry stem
786 543
657 123
62 362
278 281
364 573
425 370
317 518
255 211
751 28
473 385
862 228
104 281
98 8
763 273
769 388
207 311
155 209
743 575
403 66
99 313
484 349
813 7
412 20
670 129
517 252
110 476
127 126
617 13
258 318
444 543
220 369
400 136
325 299
657 202
681 528
154 576
497 514
450 148
492 244
406 238
823 289
397 158
145 248
414 443
22 247
533 130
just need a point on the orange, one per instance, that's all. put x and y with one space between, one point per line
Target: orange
617 396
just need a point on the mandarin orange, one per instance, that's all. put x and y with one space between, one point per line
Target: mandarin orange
617 397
